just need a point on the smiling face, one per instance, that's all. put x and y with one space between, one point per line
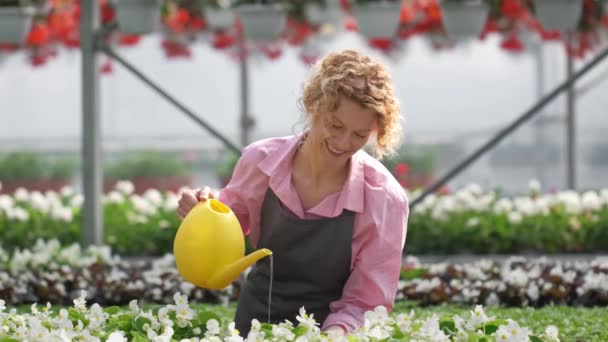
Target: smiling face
339 134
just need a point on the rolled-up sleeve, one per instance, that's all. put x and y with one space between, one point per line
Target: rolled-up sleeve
378 242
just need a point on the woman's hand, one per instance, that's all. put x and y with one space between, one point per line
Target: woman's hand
335 331
190 197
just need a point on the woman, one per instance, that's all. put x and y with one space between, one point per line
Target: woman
333 216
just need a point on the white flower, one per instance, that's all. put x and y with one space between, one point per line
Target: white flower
503 335
6 202
171 202
97 317
503 205
517 333
133 305
478 317
163 316
213 328
431 332
307 321
126 187
117 336
534 186
154 197
571 201
552 333
80 302
183 312
282 333
233 334
514 217
166 335
472 222
533 292
38 201
404 321
114 197
517 277
77 201
591 201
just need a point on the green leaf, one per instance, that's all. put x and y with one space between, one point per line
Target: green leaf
206 315
448 327
125 323
497 322
397 333
8 339
414 273
139 323
139 337
490 329
112 310
300 330
76 316
535 339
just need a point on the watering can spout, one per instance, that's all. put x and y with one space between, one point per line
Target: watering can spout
228 274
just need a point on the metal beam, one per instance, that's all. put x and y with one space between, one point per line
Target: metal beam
246 122
92 232
163 93
570 128
510 128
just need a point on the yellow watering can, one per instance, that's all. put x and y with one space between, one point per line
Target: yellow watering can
209 246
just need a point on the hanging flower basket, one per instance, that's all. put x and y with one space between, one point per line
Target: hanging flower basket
261 22
463 19
15 23
317 14
138 16
219 18
377 19
560 15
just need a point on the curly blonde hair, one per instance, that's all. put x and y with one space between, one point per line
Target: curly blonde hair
357 77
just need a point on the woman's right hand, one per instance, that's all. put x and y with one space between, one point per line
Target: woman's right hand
190 197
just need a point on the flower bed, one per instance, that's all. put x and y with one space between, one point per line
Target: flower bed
467 221
179 322
514 282
473 221
50 273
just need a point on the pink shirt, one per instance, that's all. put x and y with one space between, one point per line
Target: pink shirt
381 213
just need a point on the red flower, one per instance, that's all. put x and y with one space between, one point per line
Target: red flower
402 168
272 52
512 9
39 34
9 47
107 68
197 24
129 39
350 24
490 26
308 58
383 44
107 12
175 50
512 44
222 40
407 14
298 32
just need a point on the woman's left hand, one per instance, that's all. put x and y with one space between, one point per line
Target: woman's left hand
335 331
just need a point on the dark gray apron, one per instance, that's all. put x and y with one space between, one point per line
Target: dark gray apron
311 265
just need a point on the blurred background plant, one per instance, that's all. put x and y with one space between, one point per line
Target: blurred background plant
148 169
35 171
